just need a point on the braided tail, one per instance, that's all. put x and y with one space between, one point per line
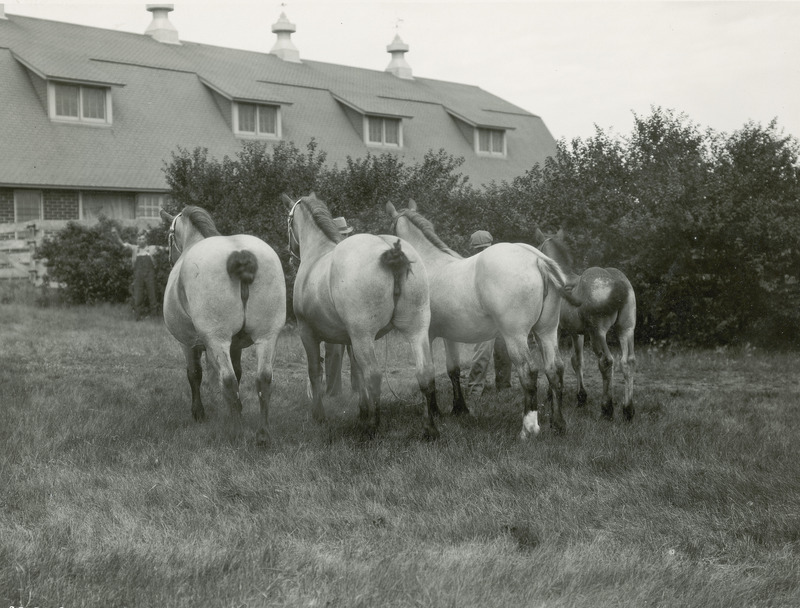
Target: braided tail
243 265
399 264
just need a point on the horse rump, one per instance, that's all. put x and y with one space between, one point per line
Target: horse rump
397 262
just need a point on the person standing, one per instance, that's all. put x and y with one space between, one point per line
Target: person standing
144 274
490 349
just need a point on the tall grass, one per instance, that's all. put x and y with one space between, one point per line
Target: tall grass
110 494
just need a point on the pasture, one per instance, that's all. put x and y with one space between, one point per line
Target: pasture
111 495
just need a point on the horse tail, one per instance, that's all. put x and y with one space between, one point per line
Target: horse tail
555 276
396 261
243 265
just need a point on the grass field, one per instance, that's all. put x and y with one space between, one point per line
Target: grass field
111 495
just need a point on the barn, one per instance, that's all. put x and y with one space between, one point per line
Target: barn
89 116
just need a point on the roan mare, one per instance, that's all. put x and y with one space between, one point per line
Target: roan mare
606 300
353 291
224 293
506 289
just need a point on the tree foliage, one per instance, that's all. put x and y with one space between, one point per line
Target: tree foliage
706 225
91 265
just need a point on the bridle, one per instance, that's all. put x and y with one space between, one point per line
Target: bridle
292 237
171 240
395 217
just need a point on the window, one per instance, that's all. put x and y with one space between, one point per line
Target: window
28 205
113 205
149 205
491 141
384 131
257 120
80 103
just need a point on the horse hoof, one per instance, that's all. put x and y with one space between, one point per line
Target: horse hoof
580 400
199 415
430 434
461 411
627 413
263 439
530 425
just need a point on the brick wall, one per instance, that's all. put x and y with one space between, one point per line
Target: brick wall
6 205
60 205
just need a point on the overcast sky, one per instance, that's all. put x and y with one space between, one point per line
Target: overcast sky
575 64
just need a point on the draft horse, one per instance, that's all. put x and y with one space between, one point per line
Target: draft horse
224 293
353 291
506 289
606 300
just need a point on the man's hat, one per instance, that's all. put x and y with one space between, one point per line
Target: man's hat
341 224
480 239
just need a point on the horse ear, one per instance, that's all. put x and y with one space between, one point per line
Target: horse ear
391 209
166 216
560 234
412 204
539 236
287 201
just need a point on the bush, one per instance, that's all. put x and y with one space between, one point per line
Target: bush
91 267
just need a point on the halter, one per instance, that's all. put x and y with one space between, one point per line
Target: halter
292 237
395 218
171 241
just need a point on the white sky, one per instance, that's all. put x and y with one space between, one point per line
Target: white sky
575 64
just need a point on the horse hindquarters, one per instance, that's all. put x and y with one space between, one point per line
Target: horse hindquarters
412 317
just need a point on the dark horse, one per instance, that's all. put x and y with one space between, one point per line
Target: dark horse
607 300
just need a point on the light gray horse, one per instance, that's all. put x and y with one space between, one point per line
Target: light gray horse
224 293
506 289
353 291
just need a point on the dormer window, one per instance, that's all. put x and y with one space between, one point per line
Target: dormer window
257 120
490 142
80 103
383 131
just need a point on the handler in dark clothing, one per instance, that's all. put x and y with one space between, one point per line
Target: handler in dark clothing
144 274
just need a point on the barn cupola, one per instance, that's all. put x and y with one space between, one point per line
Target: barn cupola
161 27
284 47
398 65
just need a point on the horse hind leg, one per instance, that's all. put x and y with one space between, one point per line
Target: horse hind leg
628 364
577 366
370 382
423 362
265 357
528 376
605 362
547 338
454 373
221 357
194 373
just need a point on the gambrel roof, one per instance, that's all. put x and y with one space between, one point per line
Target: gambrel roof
170 95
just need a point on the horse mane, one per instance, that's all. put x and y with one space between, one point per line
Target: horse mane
426 227
561 253
201 219
322 218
